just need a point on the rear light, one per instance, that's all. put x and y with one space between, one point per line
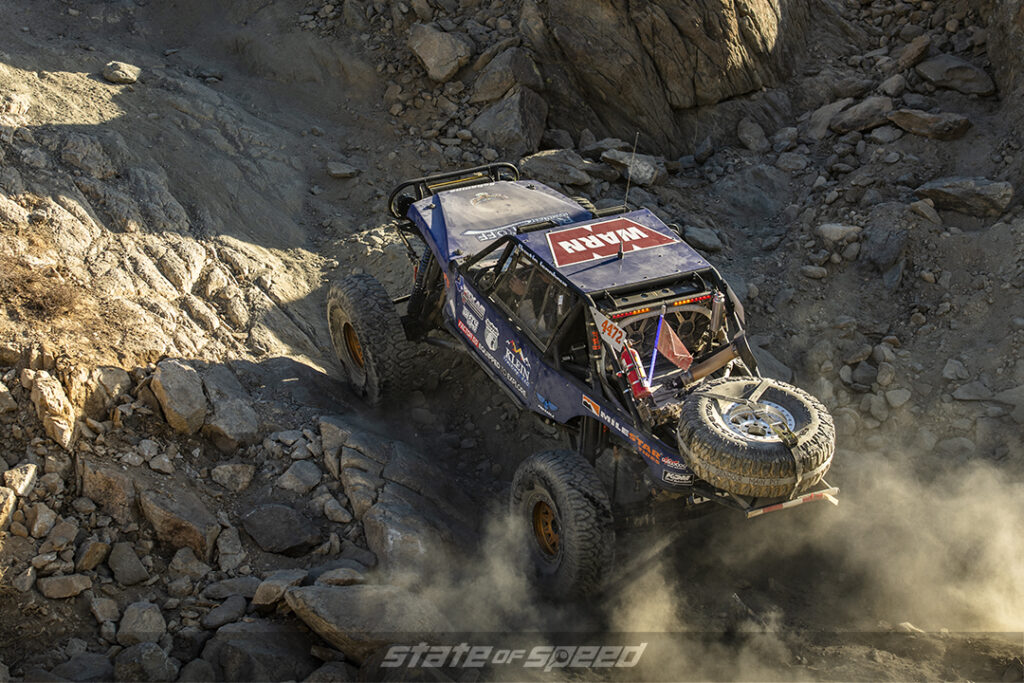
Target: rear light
681 302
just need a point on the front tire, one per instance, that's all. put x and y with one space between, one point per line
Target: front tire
368 338
568 520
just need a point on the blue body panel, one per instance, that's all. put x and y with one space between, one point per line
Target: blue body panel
512 359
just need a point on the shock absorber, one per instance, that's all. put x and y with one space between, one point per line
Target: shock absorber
717 313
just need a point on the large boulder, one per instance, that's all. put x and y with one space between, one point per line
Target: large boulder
52 407
112 489
280 529
514 124
944 126
949 71
512 67
974 196
441 53
618 67
260 650
862 116
179 389
359 619
181 520
145 662
556 165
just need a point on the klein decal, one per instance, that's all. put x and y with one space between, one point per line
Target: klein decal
590 242
517 361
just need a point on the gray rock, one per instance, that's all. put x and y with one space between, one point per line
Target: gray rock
705 150
8 502
862 116
357 619
230 553
945 126
897 397
245 586
342 576
864 373
232 609
643 169
142 622
7 402
948 71
791 161
197 671
817 125
85 666
57 587
53 408
161 463
127 568
260 650
112 489
954 369
837 232
884 135
336 512
515 123
181 520
233 422
442 54
1014 397
973 391
104 609
334 432
333 672
704 239
179 390
883 247
22 479
341 170
751 134
894 86
233 476
913 52
512 67
280 529
121 73
145 662
40 519
273 587
90 554
302 476
974 196
556 165
814 272
185 563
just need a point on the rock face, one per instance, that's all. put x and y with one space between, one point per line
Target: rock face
514 124
975 196
442 54
623 67
947 71
359 619
944 126
180 391
181 520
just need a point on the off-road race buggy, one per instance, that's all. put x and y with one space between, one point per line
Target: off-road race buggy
607 324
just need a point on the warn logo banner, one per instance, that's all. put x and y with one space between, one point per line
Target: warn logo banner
590 242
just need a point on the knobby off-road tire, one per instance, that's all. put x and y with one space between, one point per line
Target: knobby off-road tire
368 338
730 448
558 493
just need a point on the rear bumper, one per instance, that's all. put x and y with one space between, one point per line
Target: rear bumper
827 494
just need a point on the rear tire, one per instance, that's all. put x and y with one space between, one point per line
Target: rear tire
368 338
730 447
568 518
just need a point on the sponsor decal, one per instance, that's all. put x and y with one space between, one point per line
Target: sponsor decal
677 478
545 406
592 405
470 300
597 240
471 320
669 462
517 361
612 334
490 335
486 235
469 334
644 448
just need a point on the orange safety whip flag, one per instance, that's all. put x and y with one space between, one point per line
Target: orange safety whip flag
673 348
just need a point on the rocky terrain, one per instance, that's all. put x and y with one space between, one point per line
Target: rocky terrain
188 493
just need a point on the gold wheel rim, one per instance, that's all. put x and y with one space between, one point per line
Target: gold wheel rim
545 528
355 349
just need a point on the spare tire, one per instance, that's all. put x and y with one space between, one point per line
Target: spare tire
731 444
